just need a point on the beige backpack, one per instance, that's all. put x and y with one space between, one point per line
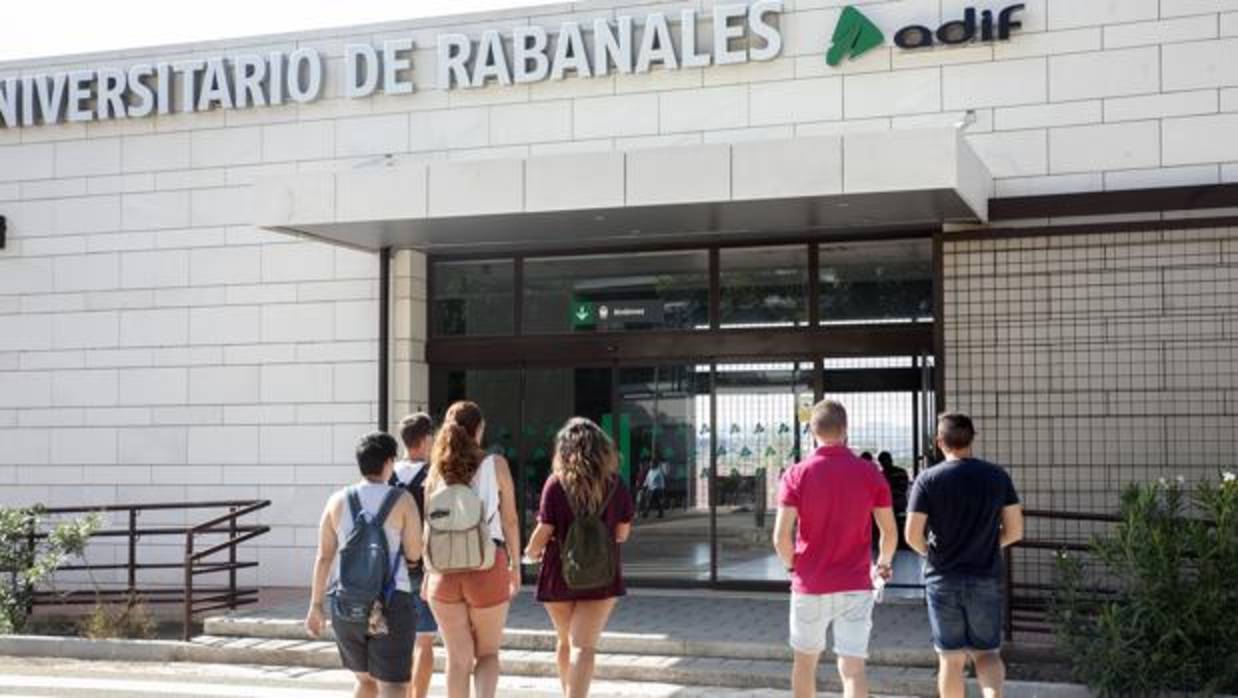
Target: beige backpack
457 532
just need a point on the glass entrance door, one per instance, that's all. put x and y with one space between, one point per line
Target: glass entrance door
762 412
551 397
703 447
663 431
496 391
890 411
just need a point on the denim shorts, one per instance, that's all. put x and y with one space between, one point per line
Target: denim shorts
850 612
425 623
965 613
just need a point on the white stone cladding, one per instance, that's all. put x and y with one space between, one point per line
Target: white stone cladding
155 346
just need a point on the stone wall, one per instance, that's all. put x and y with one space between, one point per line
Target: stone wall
155 346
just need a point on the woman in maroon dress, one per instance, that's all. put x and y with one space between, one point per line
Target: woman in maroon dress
584 479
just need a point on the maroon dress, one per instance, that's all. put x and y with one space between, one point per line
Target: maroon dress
557 511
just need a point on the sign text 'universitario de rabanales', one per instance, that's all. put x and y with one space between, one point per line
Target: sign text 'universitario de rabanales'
740 33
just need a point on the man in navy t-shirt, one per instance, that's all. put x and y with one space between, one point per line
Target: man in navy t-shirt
960 515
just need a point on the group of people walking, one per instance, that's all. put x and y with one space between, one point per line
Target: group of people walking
429 545
960 514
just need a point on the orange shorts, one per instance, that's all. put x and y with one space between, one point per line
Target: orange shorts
481 589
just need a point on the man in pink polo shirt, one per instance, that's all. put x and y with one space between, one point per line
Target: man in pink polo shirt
833 496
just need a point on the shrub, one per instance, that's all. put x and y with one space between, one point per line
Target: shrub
1171 623
130 620
25 567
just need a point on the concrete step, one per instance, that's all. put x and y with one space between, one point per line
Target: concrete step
731 673
611 642
660 674
60 677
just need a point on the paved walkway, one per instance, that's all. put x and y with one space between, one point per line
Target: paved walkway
64 678
689 616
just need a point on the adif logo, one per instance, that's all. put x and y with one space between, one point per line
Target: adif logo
854 36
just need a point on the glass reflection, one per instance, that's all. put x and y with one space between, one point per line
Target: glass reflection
764 286
883 281
473 298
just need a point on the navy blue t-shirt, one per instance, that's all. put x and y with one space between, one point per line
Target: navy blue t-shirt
963 500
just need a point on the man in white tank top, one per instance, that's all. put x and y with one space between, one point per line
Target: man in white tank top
381 661
417 433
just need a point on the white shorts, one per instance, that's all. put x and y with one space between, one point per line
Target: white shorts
851 612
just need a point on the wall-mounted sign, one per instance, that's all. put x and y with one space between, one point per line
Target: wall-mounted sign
583 314
962 31
615 315
740 33
617 47
619 315
855 34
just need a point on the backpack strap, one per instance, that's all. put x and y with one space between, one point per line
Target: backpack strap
609 496
392 496
384 511
419 480
354 503
389 583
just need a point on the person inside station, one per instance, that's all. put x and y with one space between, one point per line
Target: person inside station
899 483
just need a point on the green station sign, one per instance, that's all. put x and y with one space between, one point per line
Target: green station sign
584 314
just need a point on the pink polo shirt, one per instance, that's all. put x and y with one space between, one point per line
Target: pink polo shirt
834 493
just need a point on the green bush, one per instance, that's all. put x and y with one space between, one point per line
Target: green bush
24 568
1171 624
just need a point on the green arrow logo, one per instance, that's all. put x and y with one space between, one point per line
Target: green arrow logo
854 36
582 313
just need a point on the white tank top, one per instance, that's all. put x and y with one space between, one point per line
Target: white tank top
486 485
371 495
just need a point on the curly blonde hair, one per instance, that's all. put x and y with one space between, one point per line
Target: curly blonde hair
584 461
456 454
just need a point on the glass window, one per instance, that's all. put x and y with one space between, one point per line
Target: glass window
885 281
616 293
764 286
473 298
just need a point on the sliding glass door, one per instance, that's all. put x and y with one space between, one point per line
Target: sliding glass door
663 431
762 411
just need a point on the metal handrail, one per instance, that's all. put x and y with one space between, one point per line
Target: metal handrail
1038 623
1071 516
193 599
244 508
219 504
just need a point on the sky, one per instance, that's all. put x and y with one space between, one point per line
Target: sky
36 28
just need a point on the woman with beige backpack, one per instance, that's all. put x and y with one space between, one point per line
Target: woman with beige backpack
471 550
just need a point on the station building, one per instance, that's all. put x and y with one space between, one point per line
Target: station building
222 262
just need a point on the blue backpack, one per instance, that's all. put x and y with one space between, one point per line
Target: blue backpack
367 568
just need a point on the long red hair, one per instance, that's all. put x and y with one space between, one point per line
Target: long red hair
456 454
